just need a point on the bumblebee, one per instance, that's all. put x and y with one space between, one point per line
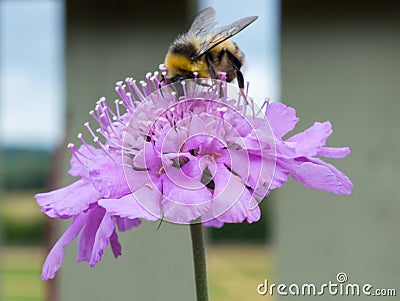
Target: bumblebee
207 50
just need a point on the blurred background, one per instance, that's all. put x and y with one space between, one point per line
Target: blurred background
331 60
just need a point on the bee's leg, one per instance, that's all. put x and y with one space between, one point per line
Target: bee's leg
240 79
210 60
160 83
236 65
239 76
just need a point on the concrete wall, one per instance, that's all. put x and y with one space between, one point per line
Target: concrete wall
340 62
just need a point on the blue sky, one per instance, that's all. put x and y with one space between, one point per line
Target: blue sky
32 86
31 77
259 42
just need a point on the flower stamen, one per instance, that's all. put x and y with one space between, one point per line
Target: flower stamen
105 149
83 141
148 185
160 171
75 153
87 125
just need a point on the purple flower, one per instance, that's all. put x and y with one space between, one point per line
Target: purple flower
192 151
192 158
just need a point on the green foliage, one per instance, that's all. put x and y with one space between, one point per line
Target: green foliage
258 232
17 232
21 221
23 169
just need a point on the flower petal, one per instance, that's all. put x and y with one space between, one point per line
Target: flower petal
55 258
345 187
213 223
231 199
280 176
115 245
129 207
109 179
147 158
125 224
106 174
240 211
86 240
317 174
68 201
204 143
90 156
282 118
310 141
102 238
334 152
170 140
285 149
184 204
254 170
137 179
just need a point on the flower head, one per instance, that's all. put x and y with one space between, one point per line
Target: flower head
193 151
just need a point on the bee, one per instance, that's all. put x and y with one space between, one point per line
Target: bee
207 50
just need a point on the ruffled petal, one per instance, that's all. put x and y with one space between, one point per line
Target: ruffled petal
129 207
204 143
137 179
55 258
116 247
147 159
170 140
238 161
68 201
90 156
109 179
282 118
280 176
254 170
345 187
106 173
184 204
241 211
86 240
189 175
102 238
285 149
310 141
317 174
334 152
231 199
126 224
215 223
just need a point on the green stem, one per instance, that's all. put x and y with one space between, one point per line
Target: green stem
199 259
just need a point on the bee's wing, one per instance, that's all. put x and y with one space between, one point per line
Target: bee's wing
203 23
224 33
